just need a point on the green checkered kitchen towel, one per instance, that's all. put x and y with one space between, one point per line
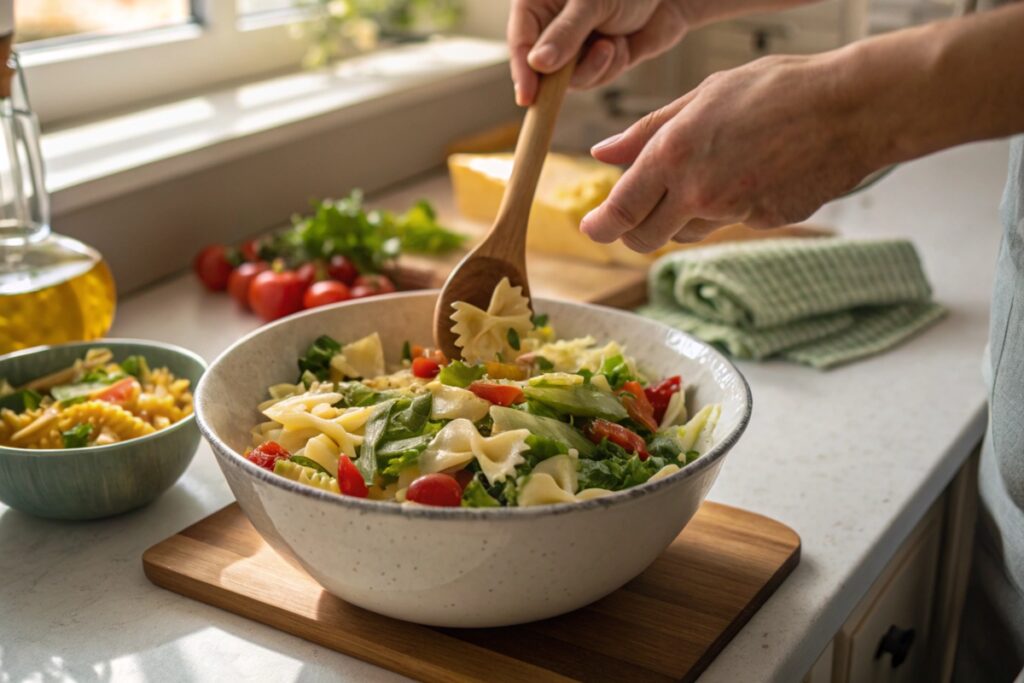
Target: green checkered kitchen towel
821 302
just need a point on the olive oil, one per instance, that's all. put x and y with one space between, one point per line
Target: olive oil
55 291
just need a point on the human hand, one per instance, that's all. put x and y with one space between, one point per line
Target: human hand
543 35
765 144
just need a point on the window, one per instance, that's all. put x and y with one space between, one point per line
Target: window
254 6
40 20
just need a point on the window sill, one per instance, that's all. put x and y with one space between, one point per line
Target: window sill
102 159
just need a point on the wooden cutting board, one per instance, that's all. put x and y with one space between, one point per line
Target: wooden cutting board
554 276
667 624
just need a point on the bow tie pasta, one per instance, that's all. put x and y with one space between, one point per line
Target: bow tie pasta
522 420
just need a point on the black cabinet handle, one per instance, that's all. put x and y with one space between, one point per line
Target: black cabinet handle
896 642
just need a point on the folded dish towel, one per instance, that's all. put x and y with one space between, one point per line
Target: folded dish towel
822 302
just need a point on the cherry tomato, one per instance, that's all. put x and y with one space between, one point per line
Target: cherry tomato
342 270
498 394
660 395
435 489
213 266
416 351
463 477
350 479
425 368
636 404
273 295
118 392
240 279
311 272
598 430
267 453
380 284
325 292
250 250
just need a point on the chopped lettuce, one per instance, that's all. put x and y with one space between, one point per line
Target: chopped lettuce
395 456
616 369
23 399
506 419
583 399
458 374
409 417
317 359
616 474
77 436
476 496
542 448
358 395
67 392
136 366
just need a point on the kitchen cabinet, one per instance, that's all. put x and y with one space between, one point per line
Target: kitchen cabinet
905 627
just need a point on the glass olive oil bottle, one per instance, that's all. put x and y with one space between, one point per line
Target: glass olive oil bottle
53 289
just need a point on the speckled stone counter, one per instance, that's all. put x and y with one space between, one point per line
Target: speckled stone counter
850 458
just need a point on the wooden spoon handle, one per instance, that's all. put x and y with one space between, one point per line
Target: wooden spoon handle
531 151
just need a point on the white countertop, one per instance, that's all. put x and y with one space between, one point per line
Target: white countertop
850 458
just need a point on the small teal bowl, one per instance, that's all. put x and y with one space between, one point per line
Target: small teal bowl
99 481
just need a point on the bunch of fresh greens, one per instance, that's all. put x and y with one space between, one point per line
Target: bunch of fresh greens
370 239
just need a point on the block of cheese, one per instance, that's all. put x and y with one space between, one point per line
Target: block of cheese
569 187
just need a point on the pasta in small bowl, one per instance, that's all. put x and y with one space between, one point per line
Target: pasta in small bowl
95 429
547 467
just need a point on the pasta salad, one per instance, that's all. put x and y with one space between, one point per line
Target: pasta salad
94 402
523 419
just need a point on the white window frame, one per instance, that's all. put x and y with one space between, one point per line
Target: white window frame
81 78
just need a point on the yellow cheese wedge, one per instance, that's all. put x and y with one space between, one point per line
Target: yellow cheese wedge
569 187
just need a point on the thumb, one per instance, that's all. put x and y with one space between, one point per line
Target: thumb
626 146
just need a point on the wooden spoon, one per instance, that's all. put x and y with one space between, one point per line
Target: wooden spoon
502 253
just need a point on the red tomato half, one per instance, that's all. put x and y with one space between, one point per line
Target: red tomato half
660 395
379 284
425 368
250 250
118 392
213 266
241 278
598 430
325 292
342 270
275 295
440 490
498 394
350 479
267 453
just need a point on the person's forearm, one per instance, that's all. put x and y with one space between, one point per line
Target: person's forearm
937 86
700 13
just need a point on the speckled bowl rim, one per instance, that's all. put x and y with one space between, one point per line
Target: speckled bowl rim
363 505
113 341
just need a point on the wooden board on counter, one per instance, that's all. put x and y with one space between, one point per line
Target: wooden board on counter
553 276
667 624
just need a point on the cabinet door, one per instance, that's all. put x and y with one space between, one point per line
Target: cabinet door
886 640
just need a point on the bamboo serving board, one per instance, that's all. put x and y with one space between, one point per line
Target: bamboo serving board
667 624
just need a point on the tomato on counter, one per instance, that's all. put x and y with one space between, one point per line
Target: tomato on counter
372 284
240 279
273 295
325 292
213 265
341 269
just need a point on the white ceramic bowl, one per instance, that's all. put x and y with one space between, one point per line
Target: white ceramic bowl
463 567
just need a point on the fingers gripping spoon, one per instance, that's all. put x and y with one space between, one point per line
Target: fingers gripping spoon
502 253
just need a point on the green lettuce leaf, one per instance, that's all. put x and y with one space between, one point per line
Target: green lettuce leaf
77 436
317 359
476 496
458 374
581 399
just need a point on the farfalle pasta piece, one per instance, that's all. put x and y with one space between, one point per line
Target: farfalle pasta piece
459 442
484 335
